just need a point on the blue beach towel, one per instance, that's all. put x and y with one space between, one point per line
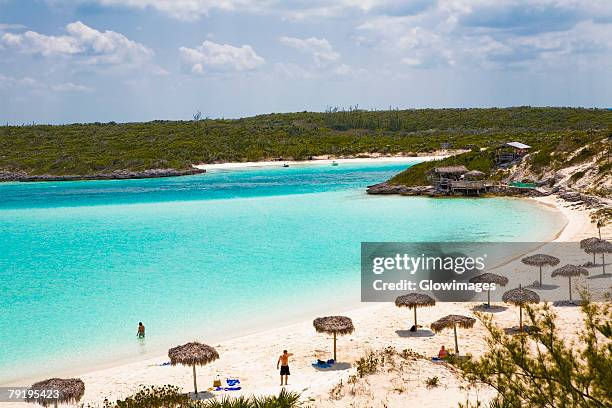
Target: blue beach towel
232 381
321 364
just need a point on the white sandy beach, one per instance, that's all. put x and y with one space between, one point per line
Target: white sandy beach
322 160
252 358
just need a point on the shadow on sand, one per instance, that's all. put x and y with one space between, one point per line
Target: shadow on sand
543 287
490 309
513 331
601 275
567 303
334 367
416 334
201 396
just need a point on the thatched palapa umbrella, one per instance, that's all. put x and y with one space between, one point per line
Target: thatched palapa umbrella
490 278
193 354
588 241
540 260
413 301
601 246
336 325
453 321
520 297
62 391
568 271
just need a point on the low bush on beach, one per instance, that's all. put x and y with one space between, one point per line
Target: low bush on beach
542 369
432 382
169 396
397 365
284 399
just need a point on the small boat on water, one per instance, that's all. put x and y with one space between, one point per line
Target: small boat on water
285 164
334 163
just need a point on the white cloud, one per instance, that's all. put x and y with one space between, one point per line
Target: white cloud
30 83
191 10
321 50
7 27
211 56
8 82
188 10
93 47
292 71
71 87
493 34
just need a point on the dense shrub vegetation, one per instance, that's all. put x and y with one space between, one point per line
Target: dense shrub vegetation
170 397
103 147
550 151
417 174
541 368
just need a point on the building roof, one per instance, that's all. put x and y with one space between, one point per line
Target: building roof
451 170
518 145
474 174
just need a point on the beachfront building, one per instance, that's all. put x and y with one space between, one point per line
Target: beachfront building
442 177
510 152
458 179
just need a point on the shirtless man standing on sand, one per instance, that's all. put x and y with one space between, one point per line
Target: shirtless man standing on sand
283 362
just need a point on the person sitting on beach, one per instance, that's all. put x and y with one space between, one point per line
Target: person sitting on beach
442 354
283 362
141 330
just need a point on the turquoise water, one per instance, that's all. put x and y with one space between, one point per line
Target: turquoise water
204 257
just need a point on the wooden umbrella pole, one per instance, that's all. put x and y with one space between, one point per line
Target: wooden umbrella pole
456 343
521 317
540 275
195 383
489 298
570 287
415 319
334 346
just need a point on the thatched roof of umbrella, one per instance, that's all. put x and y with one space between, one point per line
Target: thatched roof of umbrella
451 169
520 296
448 322
474 174
588 241
192 354
490 278
334 324
601 246
414 300
71 390
540 260
570 271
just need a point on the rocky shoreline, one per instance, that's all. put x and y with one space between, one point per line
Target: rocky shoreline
22 176
573 197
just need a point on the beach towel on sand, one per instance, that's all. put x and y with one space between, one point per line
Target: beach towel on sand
321 364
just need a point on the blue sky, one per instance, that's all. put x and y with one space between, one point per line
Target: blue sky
67 61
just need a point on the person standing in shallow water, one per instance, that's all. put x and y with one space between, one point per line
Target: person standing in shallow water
283 362
141 331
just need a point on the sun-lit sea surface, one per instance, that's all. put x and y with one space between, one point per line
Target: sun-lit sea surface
204 257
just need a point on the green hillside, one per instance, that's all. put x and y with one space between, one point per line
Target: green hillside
103 147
